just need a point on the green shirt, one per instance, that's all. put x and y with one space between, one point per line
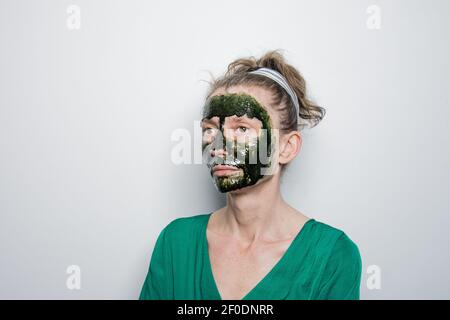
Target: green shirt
322 262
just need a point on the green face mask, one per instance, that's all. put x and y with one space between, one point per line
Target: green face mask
251 157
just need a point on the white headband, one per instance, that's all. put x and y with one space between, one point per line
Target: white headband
278 78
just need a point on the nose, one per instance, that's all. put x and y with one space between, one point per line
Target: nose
220 149
218 153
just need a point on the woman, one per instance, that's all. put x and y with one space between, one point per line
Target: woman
257 246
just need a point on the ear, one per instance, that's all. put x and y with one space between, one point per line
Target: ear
290 145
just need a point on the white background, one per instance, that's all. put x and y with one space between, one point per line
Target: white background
86 117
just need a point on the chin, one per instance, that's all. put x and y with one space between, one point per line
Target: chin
238 191
241 189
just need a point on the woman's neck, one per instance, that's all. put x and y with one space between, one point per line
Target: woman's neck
259 213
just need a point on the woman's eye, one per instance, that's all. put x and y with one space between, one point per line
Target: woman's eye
243 129
209 130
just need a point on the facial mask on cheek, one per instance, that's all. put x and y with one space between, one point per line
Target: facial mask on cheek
251 157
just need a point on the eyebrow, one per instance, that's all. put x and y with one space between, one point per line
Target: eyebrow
241 119
208 121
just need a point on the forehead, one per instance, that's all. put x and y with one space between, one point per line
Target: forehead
262 96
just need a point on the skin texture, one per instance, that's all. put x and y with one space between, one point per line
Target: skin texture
248 236
249 152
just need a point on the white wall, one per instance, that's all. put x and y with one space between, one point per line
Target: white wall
86 117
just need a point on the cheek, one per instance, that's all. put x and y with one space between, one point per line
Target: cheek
205 142
208 139
247 151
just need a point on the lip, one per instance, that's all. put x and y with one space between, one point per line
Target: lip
222 170
221 167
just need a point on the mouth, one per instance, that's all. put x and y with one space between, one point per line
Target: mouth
223 170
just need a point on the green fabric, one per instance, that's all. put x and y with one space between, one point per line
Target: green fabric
322 262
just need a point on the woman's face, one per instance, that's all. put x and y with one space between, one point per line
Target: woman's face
238 137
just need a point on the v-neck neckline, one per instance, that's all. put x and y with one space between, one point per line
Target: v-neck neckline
277 265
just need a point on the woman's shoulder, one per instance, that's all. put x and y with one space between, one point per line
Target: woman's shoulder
340 263
185 227
188 221
334 242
